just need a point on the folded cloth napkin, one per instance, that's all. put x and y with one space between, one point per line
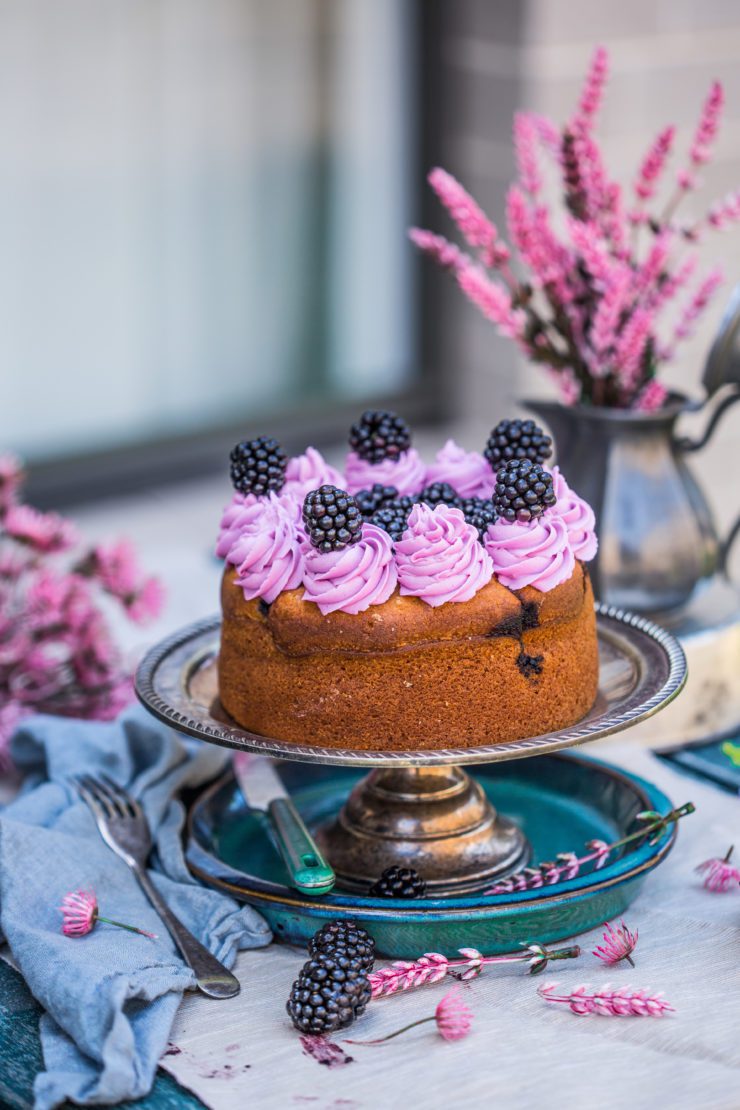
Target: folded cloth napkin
110 997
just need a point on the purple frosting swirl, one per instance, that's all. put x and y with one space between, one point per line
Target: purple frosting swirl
468 472
353 578
533 554
439 557
307 472
577 516
407 473
265 548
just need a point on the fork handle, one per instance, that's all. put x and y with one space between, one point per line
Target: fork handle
212 978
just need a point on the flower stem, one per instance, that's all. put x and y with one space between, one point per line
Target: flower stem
129 928
397 1033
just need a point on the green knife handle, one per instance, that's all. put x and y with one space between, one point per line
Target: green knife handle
309 871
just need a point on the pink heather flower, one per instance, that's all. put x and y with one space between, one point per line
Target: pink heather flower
619 944
44 532
80 914
624 1002
525 138
665 290
589 242
719 874
116 568
686 180
654 163
630 349
706 131
650 272
453 1018
724 211
696 306
651 397
547 133
605 326
11 477
593 88
493 301
146 604
472 221
444 253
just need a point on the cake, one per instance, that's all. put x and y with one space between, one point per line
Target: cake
399 605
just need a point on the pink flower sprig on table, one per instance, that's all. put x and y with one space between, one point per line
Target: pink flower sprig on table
403 975
57 654
545 287
452 1017
568 865
624 1002
719 874
619 944
80 914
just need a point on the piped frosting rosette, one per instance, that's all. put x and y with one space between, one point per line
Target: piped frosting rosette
577 516
439 558
306 472
352 578
534 554
264 545
468 472
407 473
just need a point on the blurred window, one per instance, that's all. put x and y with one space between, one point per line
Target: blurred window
204 205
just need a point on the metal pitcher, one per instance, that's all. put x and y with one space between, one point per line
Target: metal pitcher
657 539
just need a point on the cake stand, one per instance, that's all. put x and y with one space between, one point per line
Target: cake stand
420 808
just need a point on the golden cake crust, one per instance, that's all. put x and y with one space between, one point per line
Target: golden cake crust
503 666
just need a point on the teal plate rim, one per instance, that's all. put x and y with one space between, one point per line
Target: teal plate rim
639 861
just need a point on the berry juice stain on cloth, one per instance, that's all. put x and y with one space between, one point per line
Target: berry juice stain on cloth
324 1052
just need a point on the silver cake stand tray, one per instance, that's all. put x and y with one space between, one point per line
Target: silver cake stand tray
420 808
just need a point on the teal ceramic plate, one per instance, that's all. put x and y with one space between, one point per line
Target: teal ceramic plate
560 802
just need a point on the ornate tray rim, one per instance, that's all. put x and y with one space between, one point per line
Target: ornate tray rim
642 634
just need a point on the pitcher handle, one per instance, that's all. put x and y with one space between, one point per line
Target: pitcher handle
686 444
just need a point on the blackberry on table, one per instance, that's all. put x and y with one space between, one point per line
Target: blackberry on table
439 493
393 518
517 439
258 466
370 500
523 491
329 993
332 518
379 435
479 512
399 882
345 939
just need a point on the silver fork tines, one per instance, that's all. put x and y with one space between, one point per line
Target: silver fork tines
124 828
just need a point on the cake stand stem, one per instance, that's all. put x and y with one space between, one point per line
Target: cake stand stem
435 819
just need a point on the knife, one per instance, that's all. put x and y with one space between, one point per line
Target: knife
263 789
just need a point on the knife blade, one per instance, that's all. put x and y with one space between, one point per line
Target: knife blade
263 789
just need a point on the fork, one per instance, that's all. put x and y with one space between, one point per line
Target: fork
124 828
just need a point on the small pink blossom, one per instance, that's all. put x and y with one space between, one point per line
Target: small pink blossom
117 569
478 230
706 131
146 604
525 140
654 163
651 397
619 944
454 1019
725 211
624 1002
444 253
719 874
44 532
80 914
630 350
493 301
696 305
593 89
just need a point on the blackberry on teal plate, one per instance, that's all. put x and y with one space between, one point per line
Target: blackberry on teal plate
394 518
523 491
329 993
332 519
517 439
399 882
439 493
258 466
347 941
479 512
379 435
377 497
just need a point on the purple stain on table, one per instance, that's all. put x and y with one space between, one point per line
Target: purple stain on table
324 1052
172 1050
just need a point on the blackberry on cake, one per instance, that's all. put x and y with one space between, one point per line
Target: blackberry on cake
329 993
346 940
439 493
332 519
394 518
258 466
399 882
523 491
377 497
479 512
517 439
379 435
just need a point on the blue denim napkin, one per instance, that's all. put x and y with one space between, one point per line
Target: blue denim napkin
110 997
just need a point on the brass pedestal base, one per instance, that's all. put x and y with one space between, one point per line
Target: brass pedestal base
434 819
